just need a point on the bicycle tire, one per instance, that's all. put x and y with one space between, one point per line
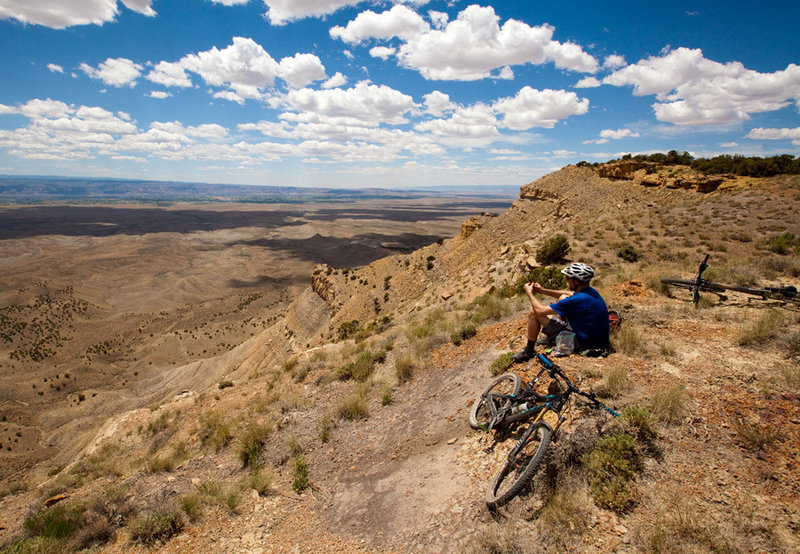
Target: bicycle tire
517 471
480 414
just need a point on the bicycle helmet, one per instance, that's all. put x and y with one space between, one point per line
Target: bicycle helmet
579 271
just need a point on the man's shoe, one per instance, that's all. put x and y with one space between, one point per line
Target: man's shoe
522 356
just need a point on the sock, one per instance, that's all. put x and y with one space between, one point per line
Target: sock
531 346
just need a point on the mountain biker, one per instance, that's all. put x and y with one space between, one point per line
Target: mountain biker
580 309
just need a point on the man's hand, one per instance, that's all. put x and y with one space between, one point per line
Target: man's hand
532 287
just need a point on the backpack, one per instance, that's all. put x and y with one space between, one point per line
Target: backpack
614 321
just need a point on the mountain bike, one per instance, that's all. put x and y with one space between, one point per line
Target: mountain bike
784 294
503 403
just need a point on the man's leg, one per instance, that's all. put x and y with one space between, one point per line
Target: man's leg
535 325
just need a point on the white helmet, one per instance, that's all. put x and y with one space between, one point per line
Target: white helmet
579 271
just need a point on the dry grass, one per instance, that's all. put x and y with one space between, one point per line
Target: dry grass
761 329
497 538
685 530
404 368
669 404
214 431
754 436
628 339
617 381
355 405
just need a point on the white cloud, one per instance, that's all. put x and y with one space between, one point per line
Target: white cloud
169 74
280 12
596 141
159 94
761 133
382 52
729 144
617 134
396 22
244 66
364 102
59 14
117 72
230 2
55 68
614 61
336 81
301 69
437 103
468 48
588 82
539 108
692 90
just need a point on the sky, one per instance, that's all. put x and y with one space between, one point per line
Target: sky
392 93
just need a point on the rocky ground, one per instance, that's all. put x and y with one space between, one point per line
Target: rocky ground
393 465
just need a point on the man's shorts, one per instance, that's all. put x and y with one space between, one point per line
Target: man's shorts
554 326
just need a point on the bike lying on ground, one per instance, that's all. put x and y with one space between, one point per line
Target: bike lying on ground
503 403
784 294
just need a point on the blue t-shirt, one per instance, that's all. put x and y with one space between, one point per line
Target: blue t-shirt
587 314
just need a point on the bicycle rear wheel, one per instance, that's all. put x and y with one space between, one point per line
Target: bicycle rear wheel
519 468
481 413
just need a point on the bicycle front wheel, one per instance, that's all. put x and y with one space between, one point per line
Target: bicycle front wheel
519 468
481 413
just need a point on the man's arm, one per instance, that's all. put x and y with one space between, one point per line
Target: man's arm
538 308
550 292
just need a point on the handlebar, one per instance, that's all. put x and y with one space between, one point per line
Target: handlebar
556 373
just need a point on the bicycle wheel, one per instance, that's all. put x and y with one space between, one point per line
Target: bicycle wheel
481 413
518 469
680 283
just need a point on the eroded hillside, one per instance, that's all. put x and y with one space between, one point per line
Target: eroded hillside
343 425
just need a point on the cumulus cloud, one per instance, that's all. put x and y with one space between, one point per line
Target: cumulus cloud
336 81
539 108
160 94
588 82
117 72
364 102
230 2
614 61
784 133
471 126
280 12
611 134
243 68
301 69
382 52
471 47
436 103
692 90
59 14
399 21
169 75
55 68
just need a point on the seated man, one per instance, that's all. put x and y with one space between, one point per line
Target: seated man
580 309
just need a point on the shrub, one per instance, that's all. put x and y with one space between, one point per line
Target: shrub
252 441
225 383
628 253
549 277
668 404
553 250
628 340
354 406
300 480
361 368
612 466
57 522
403 368
616 382
386 397
781 244
753 436
259 482
487 306
192 505
324 426
763 328
214 430
502 363
465 332
157 526
347 329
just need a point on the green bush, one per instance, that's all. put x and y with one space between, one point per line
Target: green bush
157 526
225 383
553 250
57 522
465 332
782 244
628 253
347 329
361 368
300 481
252 441
502 363
612 466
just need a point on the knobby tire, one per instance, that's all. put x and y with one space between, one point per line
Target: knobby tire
516 472
481 414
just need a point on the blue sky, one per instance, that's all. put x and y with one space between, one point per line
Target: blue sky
347 93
